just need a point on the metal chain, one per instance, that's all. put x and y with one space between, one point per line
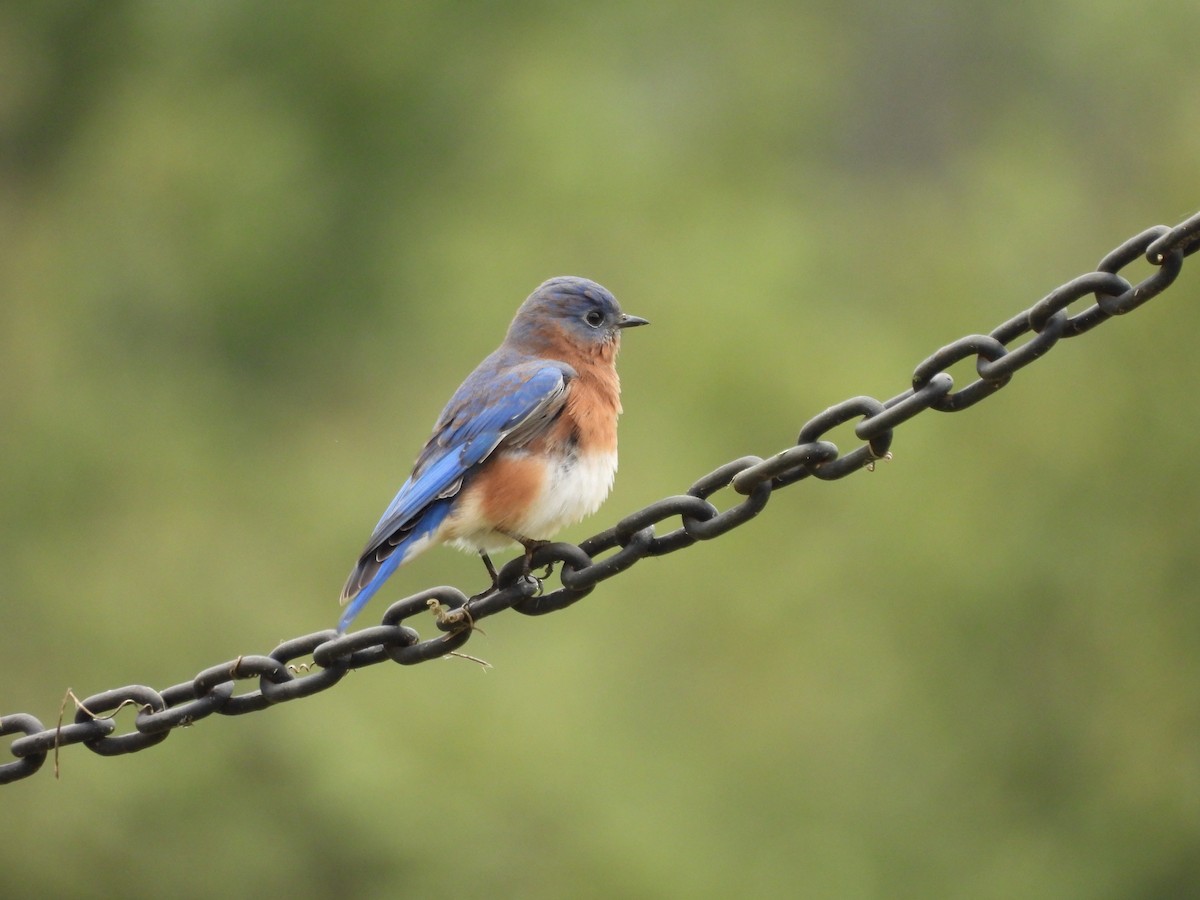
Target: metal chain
282 678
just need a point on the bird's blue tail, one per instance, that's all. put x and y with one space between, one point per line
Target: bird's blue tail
413 542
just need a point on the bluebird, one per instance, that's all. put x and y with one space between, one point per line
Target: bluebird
527 444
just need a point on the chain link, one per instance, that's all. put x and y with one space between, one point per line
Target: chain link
280 678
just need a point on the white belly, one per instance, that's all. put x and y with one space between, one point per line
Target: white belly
574 489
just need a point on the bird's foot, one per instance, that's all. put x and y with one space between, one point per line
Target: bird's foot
492 574
531 547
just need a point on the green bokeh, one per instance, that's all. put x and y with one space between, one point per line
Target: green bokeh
250 249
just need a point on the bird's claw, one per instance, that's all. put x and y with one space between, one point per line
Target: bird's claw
531 547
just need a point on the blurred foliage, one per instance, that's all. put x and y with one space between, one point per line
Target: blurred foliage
249 250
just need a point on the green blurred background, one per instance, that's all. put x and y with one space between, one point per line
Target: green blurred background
250 249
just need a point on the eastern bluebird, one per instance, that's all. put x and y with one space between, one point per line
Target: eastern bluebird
527 444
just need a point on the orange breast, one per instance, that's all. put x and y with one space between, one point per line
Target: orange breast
552 480
506 487
592 409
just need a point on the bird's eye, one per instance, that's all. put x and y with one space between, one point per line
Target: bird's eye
594 318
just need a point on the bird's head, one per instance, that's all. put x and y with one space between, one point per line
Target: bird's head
571 312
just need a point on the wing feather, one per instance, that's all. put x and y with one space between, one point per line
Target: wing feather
483 414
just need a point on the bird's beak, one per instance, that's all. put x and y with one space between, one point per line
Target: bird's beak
627 321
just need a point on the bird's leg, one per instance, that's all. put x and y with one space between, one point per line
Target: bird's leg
490 566
531 547
491 570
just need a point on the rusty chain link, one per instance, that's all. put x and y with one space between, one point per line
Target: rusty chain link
281 678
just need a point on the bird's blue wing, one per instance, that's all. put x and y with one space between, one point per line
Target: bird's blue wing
473 424
497 403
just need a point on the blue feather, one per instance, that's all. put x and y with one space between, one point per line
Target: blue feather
480 415
428 524
467 433
510 400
